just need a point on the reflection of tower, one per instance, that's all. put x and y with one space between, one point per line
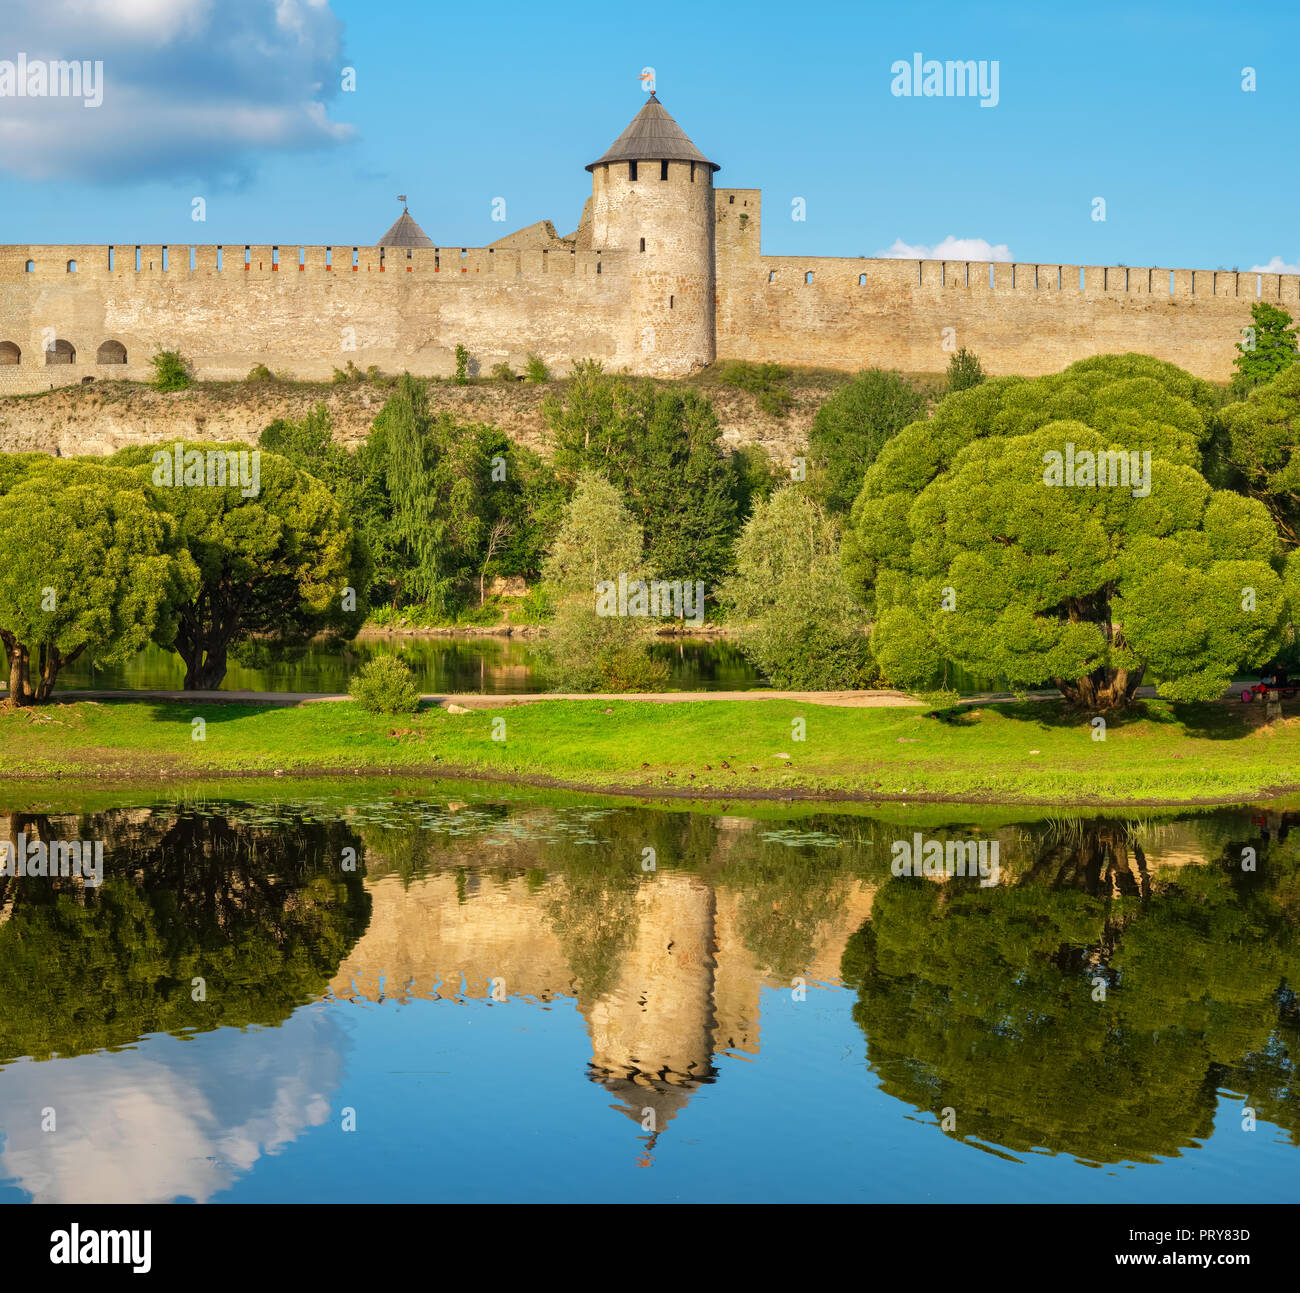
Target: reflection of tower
652 1034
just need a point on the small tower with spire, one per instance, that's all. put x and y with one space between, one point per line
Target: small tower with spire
652 199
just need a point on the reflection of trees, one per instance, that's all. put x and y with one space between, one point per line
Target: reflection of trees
263 915
983 999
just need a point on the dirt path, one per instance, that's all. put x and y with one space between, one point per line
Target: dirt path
477 700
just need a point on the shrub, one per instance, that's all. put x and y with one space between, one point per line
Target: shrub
502 372
766 381
171 371
260 373
385 686
462 365
537 370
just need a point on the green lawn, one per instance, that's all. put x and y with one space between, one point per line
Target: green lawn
1031 752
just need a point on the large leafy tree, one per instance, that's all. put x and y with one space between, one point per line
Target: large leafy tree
972 554
663 449
851 427
275 567
89 564
1267 348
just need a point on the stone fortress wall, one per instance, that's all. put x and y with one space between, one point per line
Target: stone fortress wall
664 274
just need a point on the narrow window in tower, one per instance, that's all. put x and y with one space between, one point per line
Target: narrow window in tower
862 280
692 172
643 244
663 170
631 170
671 299
731 198
807 278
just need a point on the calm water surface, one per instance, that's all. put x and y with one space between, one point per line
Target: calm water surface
488 665
513 998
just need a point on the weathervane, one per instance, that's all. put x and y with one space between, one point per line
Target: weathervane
401 197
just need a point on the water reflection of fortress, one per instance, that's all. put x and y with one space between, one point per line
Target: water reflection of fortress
685 990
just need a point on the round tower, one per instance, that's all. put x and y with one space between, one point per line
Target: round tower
652 200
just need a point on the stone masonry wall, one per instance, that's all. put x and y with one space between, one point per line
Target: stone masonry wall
842 312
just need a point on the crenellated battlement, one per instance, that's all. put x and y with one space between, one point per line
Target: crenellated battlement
664 273
44 263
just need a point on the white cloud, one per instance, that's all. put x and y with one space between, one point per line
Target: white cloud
949 249
191 89
1275 266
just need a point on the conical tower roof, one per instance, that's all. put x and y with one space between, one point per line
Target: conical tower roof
405 233
653 136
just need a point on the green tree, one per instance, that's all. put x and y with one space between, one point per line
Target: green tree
276 564
972 555
663 449
424 479
804 628
89 564
1261 448
853 425
598 540
1267 347
964 371
308 442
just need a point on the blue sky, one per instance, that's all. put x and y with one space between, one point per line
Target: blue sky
239 102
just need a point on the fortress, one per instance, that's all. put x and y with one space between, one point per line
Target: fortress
664 274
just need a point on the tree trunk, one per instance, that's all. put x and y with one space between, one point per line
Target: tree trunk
20 687
1102 690
204 670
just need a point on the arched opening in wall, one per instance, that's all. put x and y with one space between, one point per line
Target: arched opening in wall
137 258
220 257
643 244
72 267
194 258
731 199
30 267
111 352
354 258
771 276
631 170
1081 279
663 170
329 259
60 352
110 260
807 278
9 354
862 280
1259 285
166 260
1171 282
275 257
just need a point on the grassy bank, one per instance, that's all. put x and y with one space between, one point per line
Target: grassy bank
1026 753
